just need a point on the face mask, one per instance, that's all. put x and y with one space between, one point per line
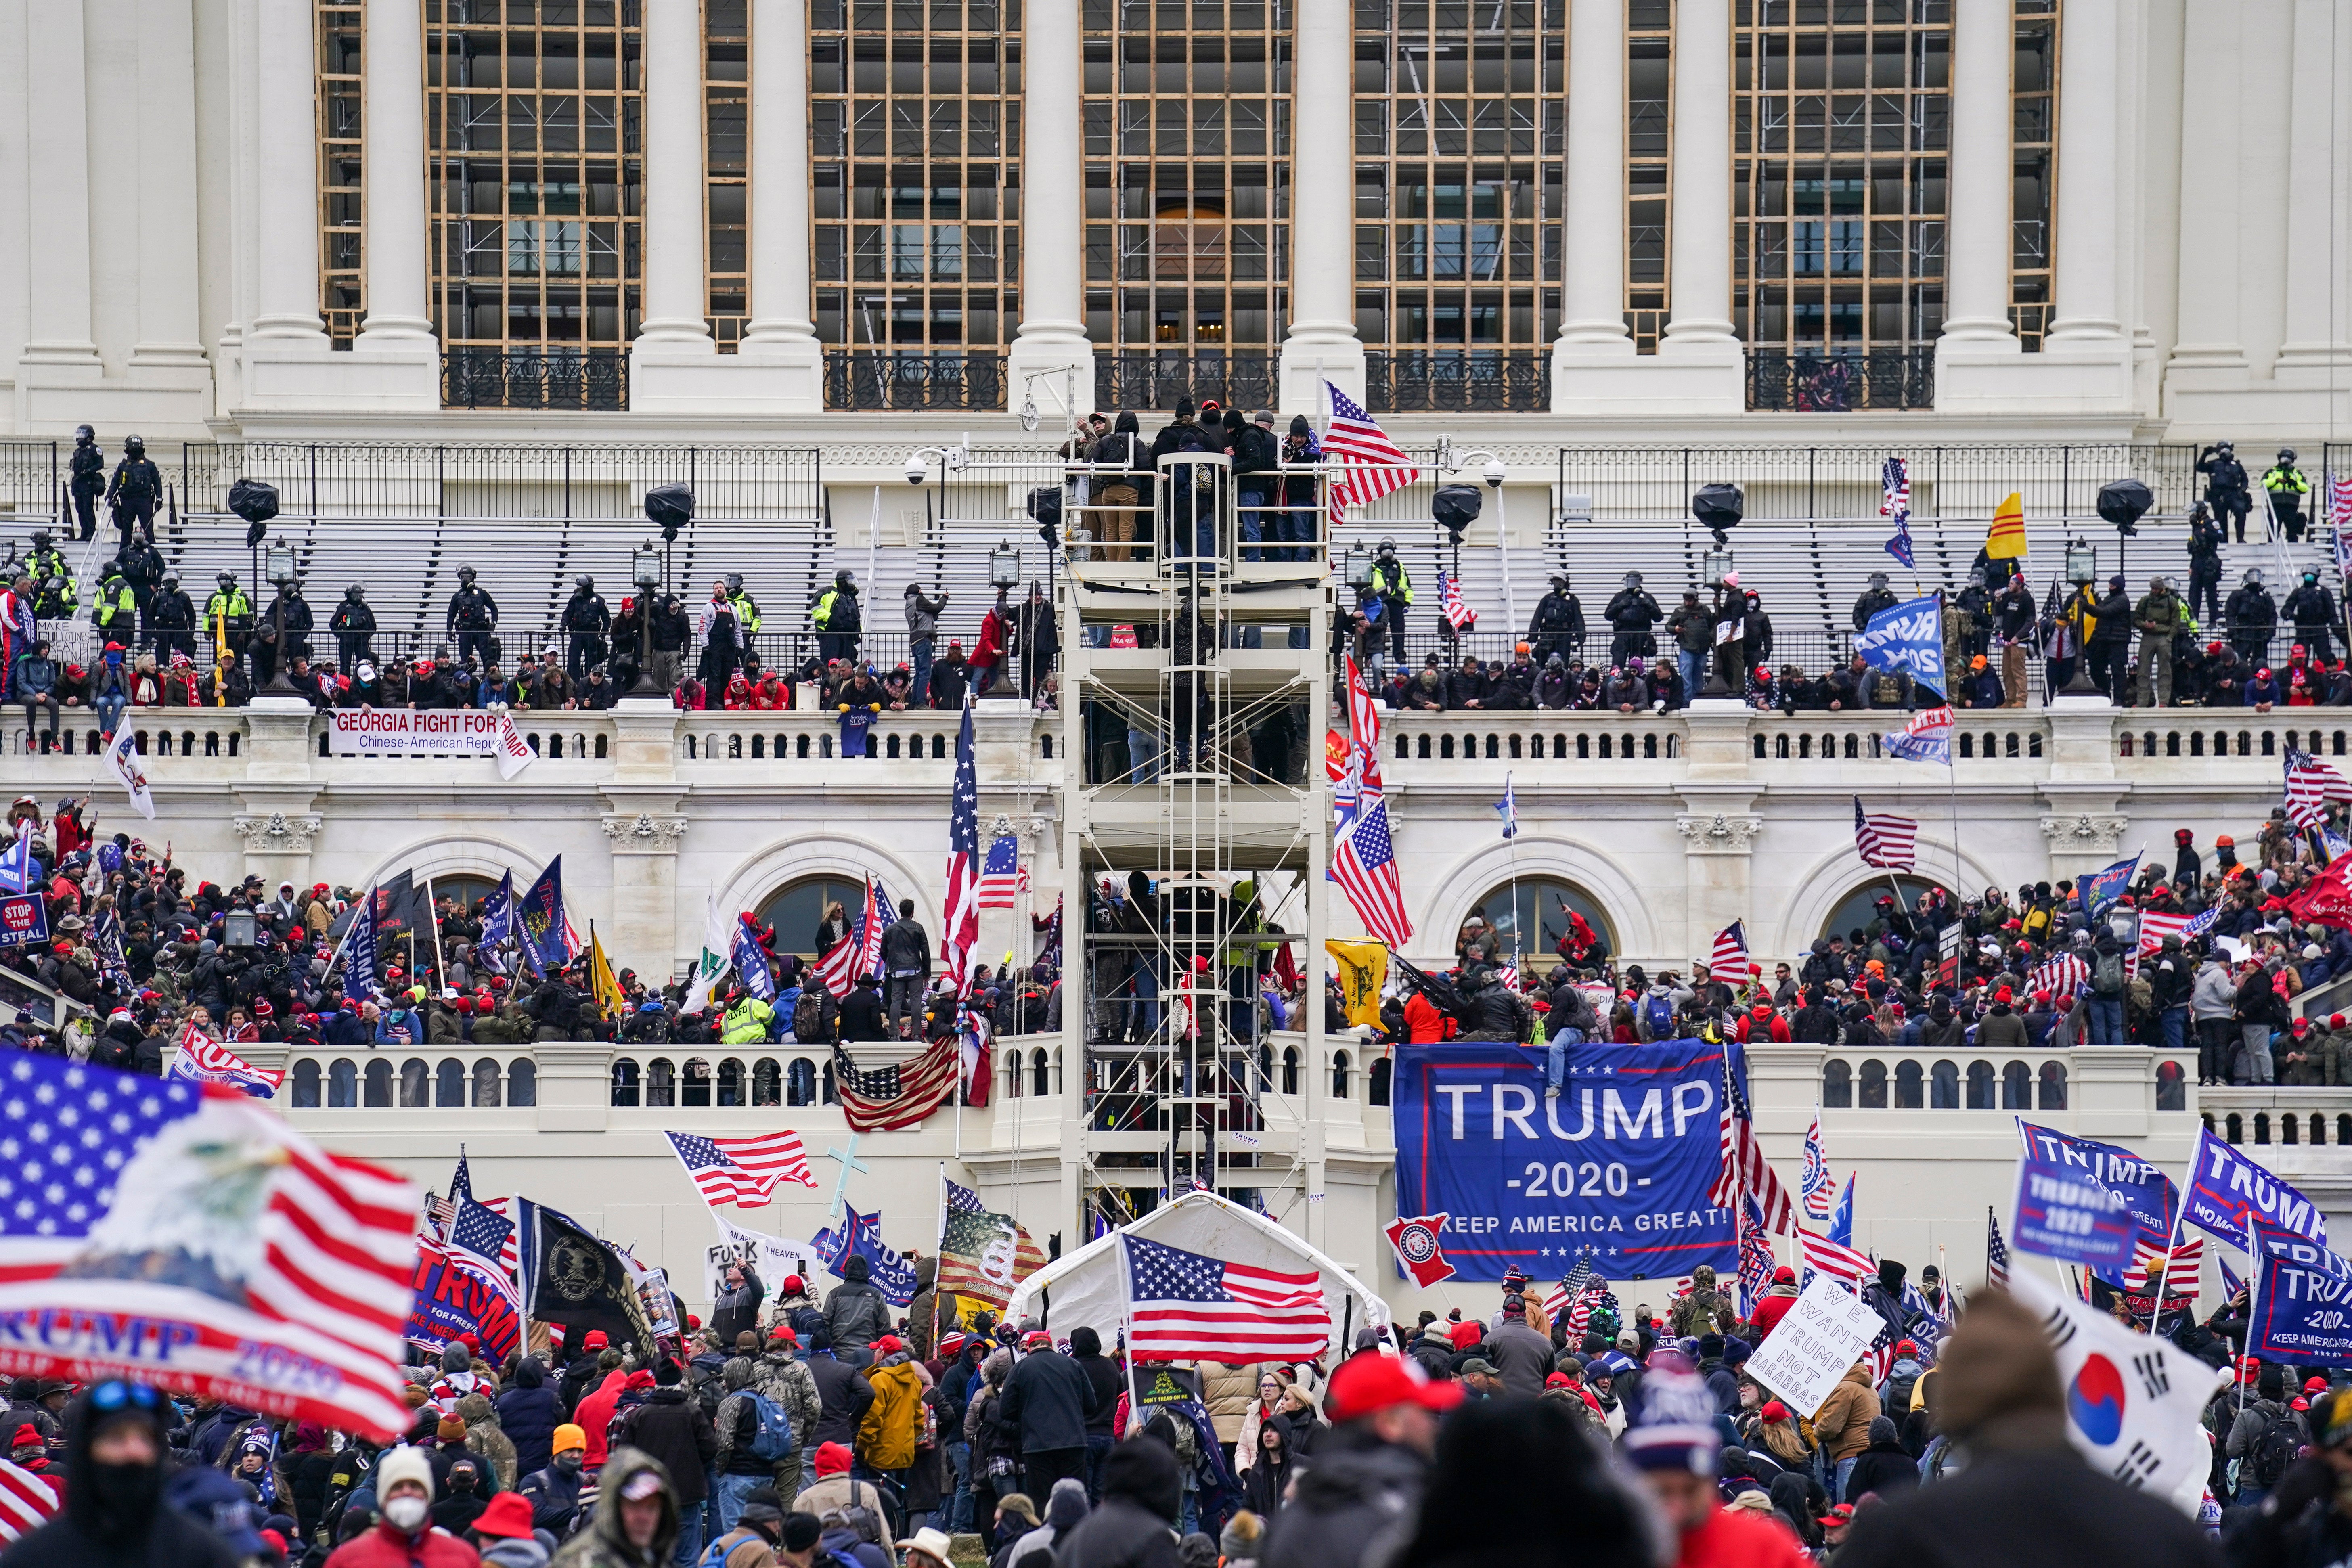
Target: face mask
123 1490
569 1461
405 1512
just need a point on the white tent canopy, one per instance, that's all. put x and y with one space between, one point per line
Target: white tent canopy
1087 1286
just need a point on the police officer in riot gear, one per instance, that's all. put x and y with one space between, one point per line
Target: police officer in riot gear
1631 613
2225 484
56 596
1876 600
2286 487
2253 616
2312 608
586 624
352 623
1392 586
228 617
473 617
2205 540
170 620
835 614
137 489
88 477
1559 624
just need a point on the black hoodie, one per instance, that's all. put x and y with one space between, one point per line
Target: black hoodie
115 1516
1134 1525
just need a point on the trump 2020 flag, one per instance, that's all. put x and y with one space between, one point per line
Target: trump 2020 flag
750 961
2101 889
860 1235
1908 636
540 924
2132 1401
183 1236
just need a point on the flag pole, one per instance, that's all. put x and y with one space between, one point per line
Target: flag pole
2253 1292
364 910
1990 1222
939 1256
1127 1333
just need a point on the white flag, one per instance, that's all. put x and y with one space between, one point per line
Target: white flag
2132 1400
514 753
713 962
122 761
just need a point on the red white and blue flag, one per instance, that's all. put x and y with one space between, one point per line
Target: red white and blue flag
201 1245
1000 875
205 1060
1894 479
1182 1304
741 1171
1890 842
1756 1259
1729 953
1744 1169
1449 597
1370 465
1843 1264
1816 1185
2311 785
1997 1257
1365 864
960 930
860 953
28 1499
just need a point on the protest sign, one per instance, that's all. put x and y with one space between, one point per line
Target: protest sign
1815 1345
775 1258
2064 1212
24 921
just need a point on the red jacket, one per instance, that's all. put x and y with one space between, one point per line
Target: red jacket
1750 1027
1423 1025
1773 1308
595 1414
385 1547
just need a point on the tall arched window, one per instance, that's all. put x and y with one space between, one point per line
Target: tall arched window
1383 1074
1874 1086
1290 1069
415 1084
1858 909
1943 1087
2017 1087
731 1082
343 1085
661 1082
1907 1086
305 1084
1539 914
1339 1075
522 1082
1040 1082
1980 1095
694 1085
795 909
1837 1084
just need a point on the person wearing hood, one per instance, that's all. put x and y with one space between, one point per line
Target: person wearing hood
670 1428
1267 1478
843 1393
529 1413
1842 1423
486 1440
1134 1525
114 1512
1523 1485
1104 1376
1065 1509
636 1523
893 1425
1883 1467
1048 1401
856 1313
1370 1469
404 1534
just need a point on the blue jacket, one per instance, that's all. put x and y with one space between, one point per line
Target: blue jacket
529 1413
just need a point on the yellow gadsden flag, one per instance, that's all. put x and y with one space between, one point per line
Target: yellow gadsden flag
599 977
1363 970
2006 539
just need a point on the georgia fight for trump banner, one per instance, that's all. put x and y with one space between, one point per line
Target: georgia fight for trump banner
1615 1169
2302 1301
2225 1188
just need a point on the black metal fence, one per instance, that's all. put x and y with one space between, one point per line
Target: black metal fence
1840 382
1472 381
595 380
877 379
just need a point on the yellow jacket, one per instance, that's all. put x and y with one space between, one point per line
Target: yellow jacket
893 1422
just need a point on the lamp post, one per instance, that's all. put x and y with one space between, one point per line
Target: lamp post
645 570
2082 571
237 928
280 559
1715 566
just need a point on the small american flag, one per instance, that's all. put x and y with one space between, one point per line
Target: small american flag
1365 865
1573 1285
1449 596
480 1230
1889 843
1744 1168
887 1099
27 1500
2061 976
1756 1259
1995 1254
2311 785
1000 873
1895 503
741 1171
1730 951
2203 923
1370 465
206 1061
1824 1256
1183 1304
859 952
1816 1185
2178 1268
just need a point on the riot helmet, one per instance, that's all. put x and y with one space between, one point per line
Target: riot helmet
134 446
1878 582
734 582
584 582
355 593
465 575
83 434
1633 582
2286 455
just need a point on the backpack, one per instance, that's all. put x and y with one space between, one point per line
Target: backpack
774 1441
2278 1447
808 1013
1658 1013
2108 976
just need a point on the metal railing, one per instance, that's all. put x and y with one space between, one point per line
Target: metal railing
1157 380
912 381
595 380
1470 381
1838 381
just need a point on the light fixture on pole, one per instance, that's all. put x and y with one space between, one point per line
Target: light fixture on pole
2082 571
279 568
1005 567
1358 571
645 571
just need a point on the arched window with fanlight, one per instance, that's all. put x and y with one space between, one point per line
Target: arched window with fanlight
795 910
1533 914
1855 912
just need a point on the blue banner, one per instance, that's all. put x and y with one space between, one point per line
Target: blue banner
750 961
1908 636
2065 1212
24 921
1936 749
2225 1188
2302 1300
497 924
2145 1194
2101 889
540 921
861 1235
1616 1169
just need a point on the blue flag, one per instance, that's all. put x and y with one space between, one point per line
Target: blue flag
540 926
2101 889
2302 1300
1842 1217
2143 1195
1900 546
16 862
359 951
1507 808
1908 636
1935 749
750 961
498 923
861 1235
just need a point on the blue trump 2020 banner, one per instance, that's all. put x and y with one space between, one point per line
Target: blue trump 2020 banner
2302 1299
1908 636
1615 1169
2225 1188
2145 1194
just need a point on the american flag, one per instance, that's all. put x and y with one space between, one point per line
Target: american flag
27 1500
206 1061
1001 873
2178 1268
901 1095
1744 1168
1365 864
480 1230
281 1274
859 952
1730 951
959 931
1364 732
741 1171
1995 1254
1843 1264
1571 1287
1889 843
1896 504
1756 1259
510 1249
2339 490
2060 976
2310 785
1182 1304
1449 596
2203 923
1370 465
1817 1185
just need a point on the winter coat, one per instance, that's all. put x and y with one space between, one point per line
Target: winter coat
893 1424
671 1428
858 1314
2042 1508
603 1544
529 1413
554 1497
1134 1525
385 1547
844 1394
785 1382
1352 1497
1523 1356
87 1535
738 1311
488 1441
1883 1467
1047 1401
1843 1420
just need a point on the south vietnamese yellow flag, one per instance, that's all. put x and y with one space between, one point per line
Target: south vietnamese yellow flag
599 977
2006 539
1363 970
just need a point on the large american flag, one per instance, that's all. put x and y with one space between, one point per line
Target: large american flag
1729 953
959 931
1571 1292
27 1500
1370 465
2177 1267
2310 785
481 1231
900 1095
1744 1168
2060 976
1889 843
1365 864
1000 876
1995 1254
280 1274
1182 1304
461 1189
1449 599
205 1060
859 952
741 1171
2339 493
1756 1259
1843 1264
1816 1185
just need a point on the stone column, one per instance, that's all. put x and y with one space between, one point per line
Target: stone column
780 334
60 350
1700 367
1053 334
1718 835
170 351
645 840
1976 227
1321 345
2319 216
398 338
676 323
2089 131
1592 285
286 314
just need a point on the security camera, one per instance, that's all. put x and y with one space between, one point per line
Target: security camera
1495 473
916 470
